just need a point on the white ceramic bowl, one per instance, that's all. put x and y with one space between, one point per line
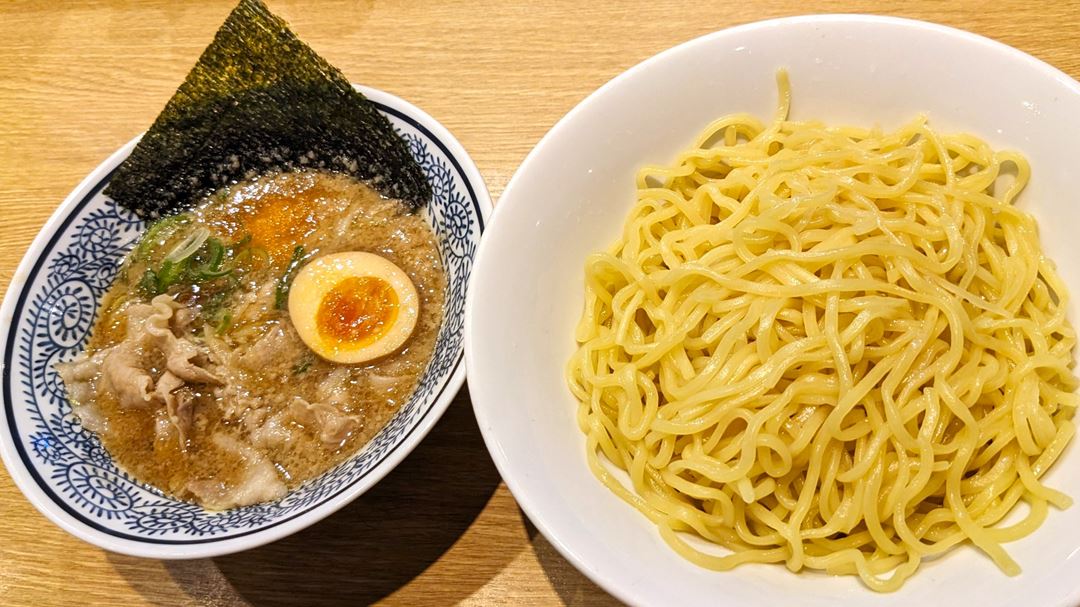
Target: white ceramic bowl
48 313
570 197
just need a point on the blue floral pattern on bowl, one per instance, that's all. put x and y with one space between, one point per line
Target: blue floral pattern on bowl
53 318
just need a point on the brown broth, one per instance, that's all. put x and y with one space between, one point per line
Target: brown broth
323 213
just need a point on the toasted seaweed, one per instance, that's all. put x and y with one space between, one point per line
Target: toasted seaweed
260 100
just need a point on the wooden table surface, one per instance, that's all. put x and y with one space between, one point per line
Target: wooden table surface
78 79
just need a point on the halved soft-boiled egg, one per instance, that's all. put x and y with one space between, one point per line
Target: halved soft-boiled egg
353 307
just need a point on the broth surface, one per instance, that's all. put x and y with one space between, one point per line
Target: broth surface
272 404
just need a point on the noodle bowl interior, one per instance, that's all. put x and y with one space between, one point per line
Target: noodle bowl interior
837 348
196 377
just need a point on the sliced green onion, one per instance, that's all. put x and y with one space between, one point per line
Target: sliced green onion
217 253
148 284
302 366
189 246
160 231
212 268
224 324
281 293
169 273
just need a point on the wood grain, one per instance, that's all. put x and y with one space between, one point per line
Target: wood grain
78 79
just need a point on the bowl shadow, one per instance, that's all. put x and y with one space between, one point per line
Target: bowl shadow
367 550
572 586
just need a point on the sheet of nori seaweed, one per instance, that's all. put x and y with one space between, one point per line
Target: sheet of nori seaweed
260 100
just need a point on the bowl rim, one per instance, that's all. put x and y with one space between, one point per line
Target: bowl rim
485 412
54 506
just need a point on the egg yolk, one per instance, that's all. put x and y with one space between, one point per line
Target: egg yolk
357 311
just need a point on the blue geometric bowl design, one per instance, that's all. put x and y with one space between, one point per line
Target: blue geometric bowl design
54 314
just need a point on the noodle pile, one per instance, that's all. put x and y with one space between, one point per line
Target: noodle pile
837 348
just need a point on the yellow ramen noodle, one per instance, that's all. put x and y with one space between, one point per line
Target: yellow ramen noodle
836 348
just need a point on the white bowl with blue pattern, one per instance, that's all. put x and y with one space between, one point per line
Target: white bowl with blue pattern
49 311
